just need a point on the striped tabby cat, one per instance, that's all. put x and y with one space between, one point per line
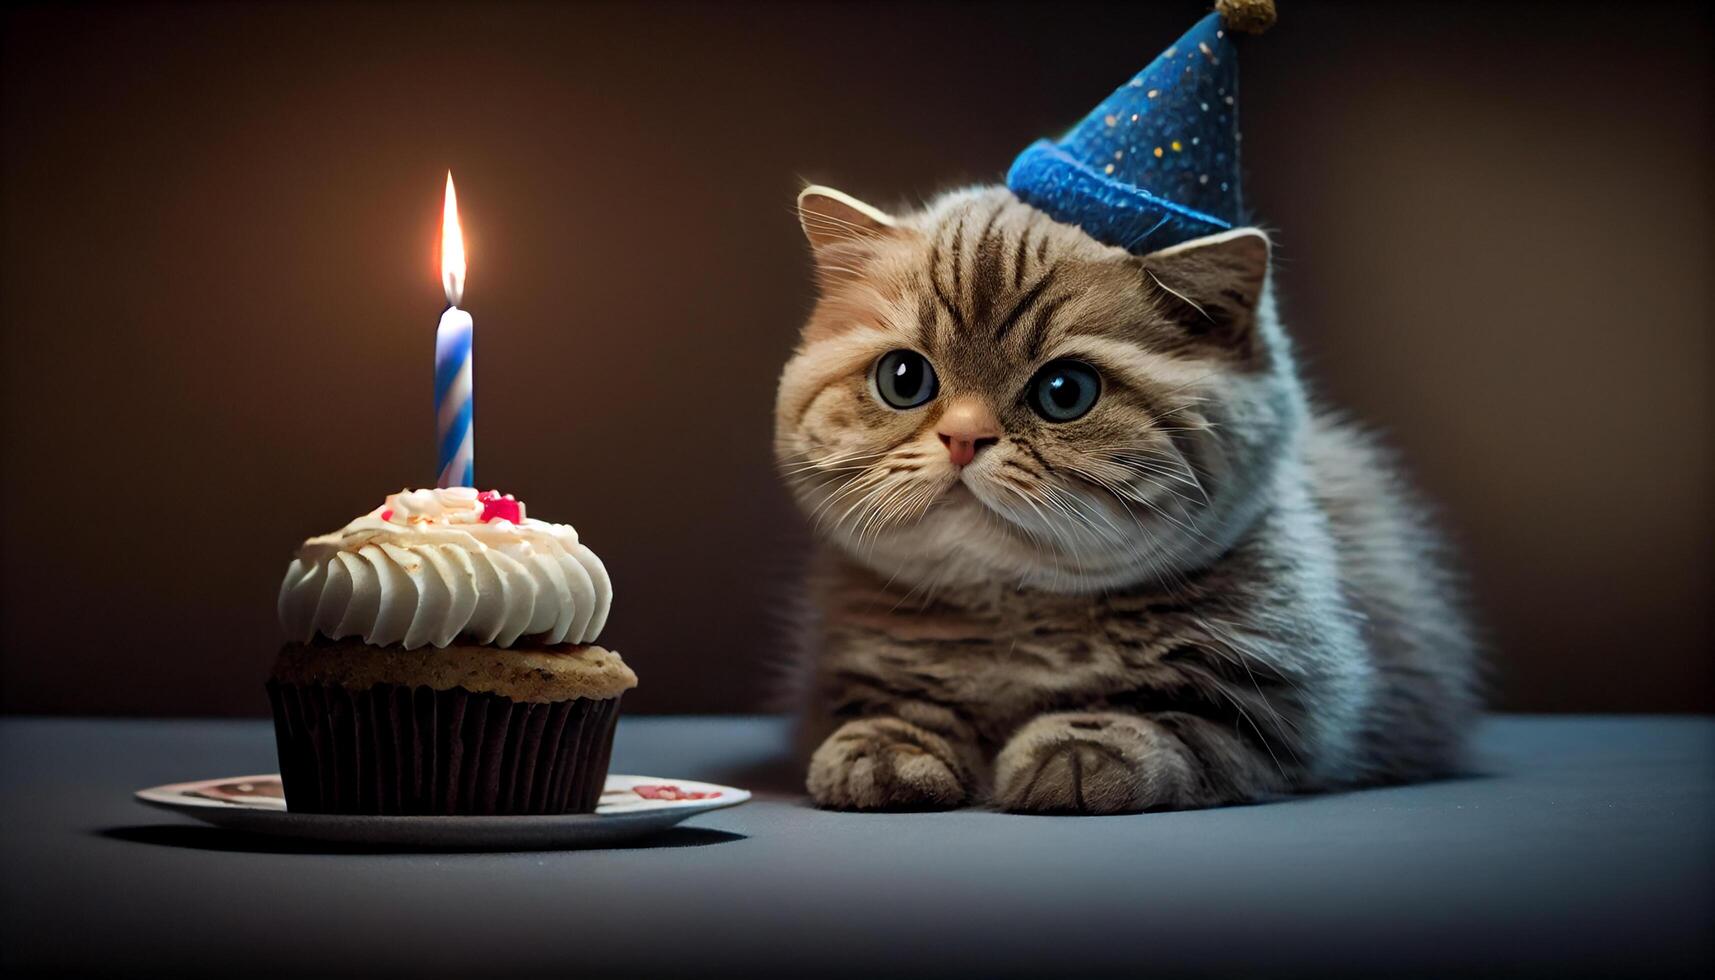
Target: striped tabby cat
1087 548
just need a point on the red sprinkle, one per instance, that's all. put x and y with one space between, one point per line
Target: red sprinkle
499 507
671 792
387 515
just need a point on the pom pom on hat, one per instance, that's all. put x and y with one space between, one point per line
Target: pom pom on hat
1249 16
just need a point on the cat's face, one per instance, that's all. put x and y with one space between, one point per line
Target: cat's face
985 395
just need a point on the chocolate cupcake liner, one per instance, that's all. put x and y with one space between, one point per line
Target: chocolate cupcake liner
394 749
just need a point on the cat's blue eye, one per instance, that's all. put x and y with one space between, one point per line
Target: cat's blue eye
904 379
1064 390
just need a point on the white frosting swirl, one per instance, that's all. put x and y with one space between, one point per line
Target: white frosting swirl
426 568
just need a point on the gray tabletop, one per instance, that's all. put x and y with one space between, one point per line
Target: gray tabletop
1587 848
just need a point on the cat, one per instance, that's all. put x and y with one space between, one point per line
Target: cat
1085 544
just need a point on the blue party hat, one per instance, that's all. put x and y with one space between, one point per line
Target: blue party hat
1155 164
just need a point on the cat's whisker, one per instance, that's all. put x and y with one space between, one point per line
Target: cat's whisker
1080 524
1146 478
880 514
1152 479
1190 472
1075 505
862 484
1188 526
828 471
1137 522
1119 493
912 505
1176 389
866 509
917 504
1175 468
848 485
861 506
1184 498
1118 486
1044 524
826 267
885 503
832 461
1139 456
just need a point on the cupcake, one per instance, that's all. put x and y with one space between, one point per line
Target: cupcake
440 660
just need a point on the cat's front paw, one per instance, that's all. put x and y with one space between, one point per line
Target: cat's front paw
886 764
1089 762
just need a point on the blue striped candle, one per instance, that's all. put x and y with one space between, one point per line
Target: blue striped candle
455 433
455 436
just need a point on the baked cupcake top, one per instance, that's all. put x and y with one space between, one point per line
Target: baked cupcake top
429 567
524 674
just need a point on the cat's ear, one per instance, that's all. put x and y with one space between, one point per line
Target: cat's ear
1211 286
831 218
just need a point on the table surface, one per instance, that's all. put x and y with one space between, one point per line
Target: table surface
1587 847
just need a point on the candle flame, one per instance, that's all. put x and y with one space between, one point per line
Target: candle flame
452 246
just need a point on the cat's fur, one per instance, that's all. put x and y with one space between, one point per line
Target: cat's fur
1204 591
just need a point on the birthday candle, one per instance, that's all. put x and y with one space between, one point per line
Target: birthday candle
454 431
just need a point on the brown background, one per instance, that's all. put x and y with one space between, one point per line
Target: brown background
218 296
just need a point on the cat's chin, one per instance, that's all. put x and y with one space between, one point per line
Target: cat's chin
962 542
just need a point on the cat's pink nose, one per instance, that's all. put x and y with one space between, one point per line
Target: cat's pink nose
966 428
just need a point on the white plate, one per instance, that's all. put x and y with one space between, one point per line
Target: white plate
630 807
